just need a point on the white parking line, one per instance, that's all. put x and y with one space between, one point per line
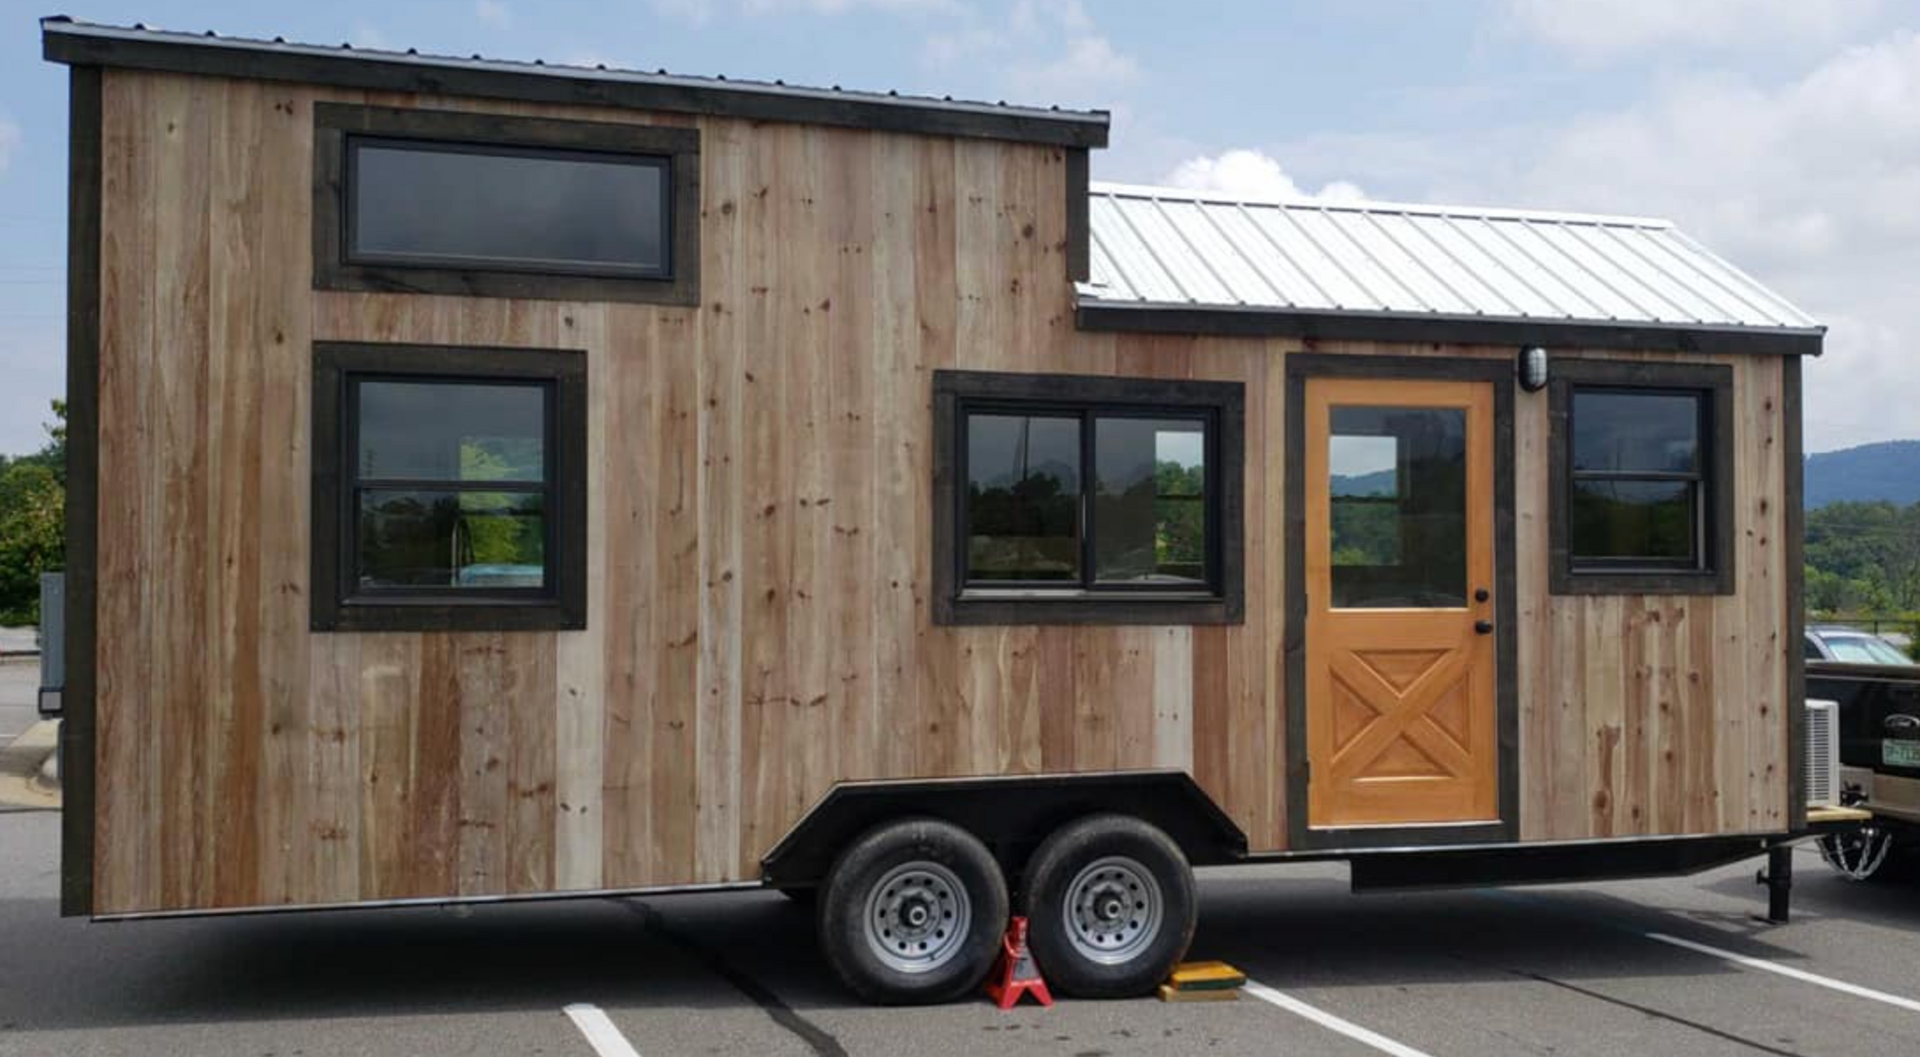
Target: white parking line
1788 971
605 1039
1329 1021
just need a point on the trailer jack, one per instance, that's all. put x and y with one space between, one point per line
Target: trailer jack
1778 877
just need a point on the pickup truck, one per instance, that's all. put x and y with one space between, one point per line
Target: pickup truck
1878 724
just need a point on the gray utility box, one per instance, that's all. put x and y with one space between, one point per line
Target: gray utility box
53 642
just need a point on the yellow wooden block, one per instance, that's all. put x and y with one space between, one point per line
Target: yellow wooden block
1205 975
1170 993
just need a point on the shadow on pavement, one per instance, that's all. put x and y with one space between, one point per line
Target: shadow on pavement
371 963
712 951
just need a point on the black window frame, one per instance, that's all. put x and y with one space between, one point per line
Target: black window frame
338 603
1219 406
1711 571
341 130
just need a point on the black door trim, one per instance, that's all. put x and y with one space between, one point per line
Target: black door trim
1300 367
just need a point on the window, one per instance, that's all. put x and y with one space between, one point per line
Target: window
485 205
1397 499
1643 470
1069 499
448 488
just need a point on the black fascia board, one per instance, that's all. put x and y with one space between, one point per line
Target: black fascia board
81 44
1446 329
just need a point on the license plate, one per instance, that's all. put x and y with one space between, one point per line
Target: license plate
1900 753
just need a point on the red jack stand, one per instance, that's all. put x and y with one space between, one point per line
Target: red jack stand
1015 974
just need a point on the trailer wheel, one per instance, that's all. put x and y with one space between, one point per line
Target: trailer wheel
1110 907
912 913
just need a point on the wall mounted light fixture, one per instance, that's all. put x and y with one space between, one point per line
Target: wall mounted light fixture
1531 368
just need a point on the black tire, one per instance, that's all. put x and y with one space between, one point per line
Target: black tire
1139 958
956 877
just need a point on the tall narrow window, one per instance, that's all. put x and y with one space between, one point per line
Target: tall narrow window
1642 468
1094 500
448 488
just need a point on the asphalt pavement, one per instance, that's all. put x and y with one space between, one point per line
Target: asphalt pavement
19 696
1563 970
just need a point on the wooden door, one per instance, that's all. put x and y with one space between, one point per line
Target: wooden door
1400 650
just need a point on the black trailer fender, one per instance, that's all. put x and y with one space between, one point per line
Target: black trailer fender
1012 814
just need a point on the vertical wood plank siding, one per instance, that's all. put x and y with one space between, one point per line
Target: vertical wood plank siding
758 612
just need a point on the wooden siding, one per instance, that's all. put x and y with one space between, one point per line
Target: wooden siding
758 614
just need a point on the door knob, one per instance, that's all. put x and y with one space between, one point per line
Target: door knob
1480 594
1483 627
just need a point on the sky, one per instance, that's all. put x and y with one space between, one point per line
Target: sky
1785 134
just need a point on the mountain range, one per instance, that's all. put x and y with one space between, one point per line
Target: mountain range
1888 470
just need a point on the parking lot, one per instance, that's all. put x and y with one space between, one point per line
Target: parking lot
1565 970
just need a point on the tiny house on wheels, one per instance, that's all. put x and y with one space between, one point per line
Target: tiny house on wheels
493 480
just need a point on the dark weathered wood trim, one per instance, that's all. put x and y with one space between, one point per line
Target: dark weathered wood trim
1717 379
78 764
1226 399
1793 497
1079 224
566 608
1444 328
333 122
82 45
1300 367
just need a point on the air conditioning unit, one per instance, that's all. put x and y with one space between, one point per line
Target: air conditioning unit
1823 754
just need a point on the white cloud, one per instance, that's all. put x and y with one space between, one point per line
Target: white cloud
1042 52
1600 29
703 10
9 142
1812 184
1088 72
367 35
493 14
1252 175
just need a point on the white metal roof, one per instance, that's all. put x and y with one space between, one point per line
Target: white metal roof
1157 246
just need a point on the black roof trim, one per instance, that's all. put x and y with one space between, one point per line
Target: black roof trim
87 44
1445 328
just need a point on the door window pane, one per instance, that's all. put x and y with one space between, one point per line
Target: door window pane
1150 503
555 211
1398 506
1023 497
1628 519
443 431
418 538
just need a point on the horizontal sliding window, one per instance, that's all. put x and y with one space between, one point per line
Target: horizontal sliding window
1035 517
475 206
448 488
1642 478
487 205
1113 495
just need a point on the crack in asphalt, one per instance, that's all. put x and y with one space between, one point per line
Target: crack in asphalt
818 1039
1657 1014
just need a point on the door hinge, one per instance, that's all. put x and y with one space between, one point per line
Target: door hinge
1306 770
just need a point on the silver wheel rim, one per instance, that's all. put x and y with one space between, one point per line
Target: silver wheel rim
917 917
1113 910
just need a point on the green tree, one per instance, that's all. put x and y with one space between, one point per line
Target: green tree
33 504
